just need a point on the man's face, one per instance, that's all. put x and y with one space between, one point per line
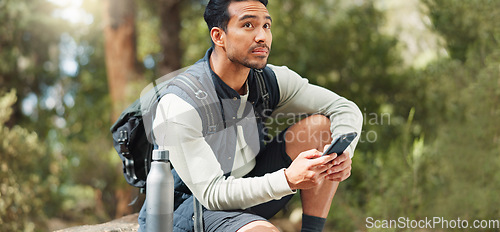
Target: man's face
248 34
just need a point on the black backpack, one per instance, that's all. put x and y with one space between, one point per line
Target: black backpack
132 132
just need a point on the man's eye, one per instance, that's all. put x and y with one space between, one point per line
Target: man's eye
247 25
267 26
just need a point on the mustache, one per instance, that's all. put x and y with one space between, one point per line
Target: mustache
259 46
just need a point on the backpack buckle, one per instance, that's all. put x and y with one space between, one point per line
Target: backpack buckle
200 94
212 129
265 96
123 140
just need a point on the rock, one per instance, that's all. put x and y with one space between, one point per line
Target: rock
129 224
125 224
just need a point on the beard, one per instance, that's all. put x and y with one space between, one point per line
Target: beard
249 64
260 63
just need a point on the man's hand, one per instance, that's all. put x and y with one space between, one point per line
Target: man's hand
309 169
341 168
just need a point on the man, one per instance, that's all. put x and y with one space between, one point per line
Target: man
240 180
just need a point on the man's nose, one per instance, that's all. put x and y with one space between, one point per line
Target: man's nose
261 35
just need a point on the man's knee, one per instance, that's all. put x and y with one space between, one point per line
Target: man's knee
318 122
312 132
258 226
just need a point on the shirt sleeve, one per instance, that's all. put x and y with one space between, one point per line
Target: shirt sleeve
178 128
298 96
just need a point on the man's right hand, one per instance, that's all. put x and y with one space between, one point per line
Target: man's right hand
309 169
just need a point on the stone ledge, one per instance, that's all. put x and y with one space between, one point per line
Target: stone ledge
129 224
125 224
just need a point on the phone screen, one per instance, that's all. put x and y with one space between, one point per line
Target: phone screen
341 143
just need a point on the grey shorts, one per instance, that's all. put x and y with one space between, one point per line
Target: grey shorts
272 158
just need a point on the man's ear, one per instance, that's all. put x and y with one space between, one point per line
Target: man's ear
218 36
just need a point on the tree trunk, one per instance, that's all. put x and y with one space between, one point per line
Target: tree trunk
120 48
121 60
121 68
169 12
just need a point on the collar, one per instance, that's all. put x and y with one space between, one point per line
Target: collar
223 90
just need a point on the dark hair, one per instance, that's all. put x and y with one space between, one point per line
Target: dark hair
217 15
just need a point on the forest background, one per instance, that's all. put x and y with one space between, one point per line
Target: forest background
424 73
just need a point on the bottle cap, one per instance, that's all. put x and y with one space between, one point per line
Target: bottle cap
160 155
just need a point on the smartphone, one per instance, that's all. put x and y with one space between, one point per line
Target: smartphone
341 144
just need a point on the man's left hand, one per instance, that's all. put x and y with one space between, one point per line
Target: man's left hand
341 168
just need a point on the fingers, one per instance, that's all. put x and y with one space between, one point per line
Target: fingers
325 147
316 157
310 154
311 168
341 158
324 167
341 168
323 175
337 165
339 176
323 159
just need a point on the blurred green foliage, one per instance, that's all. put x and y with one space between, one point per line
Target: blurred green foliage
431 137
70 112
28 176
443 162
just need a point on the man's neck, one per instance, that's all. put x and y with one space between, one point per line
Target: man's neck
233 74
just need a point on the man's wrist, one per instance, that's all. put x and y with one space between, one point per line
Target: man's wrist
292 186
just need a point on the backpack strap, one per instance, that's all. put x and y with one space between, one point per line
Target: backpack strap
202 101
209 113
263 93
200 97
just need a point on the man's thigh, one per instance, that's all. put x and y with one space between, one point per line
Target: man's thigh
259 226
228 221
